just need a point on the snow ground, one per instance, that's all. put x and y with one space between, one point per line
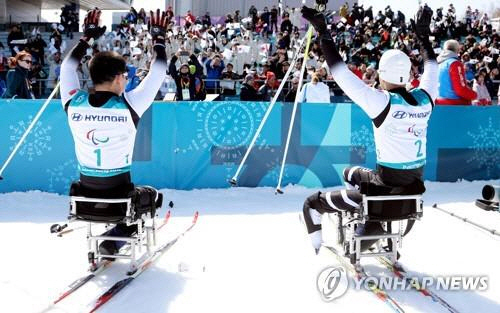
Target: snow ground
254 251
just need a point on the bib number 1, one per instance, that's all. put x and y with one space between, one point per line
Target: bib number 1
98 154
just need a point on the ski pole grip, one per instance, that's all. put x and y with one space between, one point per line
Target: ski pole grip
491 192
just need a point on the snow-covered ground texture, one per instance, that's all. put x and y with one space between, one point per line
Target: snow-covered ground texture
248 253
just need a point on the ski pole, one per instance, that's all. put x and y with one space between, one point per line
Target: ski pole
466 220
234 180
35 120
294 111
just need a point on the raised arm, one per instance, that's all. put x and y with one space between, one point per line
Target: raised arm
172 69
430 77
371 100
196 63
141 97
69 76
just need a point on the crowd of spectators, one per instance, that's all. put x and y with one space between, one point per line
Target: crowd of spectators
249 54
45 57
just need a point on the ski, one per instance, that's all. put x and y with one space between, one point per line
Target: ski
398 270
75 285
360 273
106 296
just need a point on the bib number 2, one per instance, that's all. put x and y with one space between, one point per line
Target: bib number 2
418 143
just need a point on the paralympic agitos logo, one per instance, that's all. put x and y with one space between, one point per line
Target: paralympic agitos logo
95 140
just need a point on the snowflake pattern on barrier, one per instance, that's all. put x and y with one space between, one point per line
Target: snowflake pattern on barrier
274 168
212 121
486 145
363 137
62 175
36 143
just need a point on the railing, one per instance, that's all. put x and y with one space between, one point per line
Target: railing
42 91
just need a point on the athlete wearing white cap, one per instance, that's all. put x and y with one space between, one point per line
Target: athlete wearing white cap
399 120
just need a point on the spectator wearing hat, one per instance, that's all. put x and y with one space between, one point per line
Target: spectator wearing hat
266 91
261 75
185 81
247 91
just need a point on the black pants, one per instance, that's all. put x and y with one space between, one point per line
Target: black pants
350 199
146 199
338 200
274 26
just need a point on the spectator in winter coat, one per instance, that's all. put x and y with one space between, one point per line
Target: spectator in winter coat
206 20
290 96
189 19
489 79
267 90
184 80
37 47
286 24
227 83
18 84
15 34
453 89
54 69
247 91
214 68
274 19
483 96
200 91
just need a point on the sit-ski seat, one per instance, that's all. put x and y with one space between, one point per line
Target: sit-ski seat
129 206
384 205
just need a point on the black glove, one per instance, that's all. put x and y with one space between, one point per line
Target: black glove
158 26
421 26
316 18
91 29
423 31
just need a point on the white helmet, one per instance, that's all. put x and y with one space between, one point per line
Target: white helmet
394 67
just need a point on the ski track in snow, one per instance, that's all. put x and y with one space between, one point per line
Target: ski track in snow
253 248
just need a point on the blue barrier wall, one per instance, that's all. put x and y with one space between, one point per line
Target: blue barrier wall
187 145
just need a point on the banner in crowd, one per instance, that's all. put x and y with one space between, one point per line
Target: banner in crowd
186 145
